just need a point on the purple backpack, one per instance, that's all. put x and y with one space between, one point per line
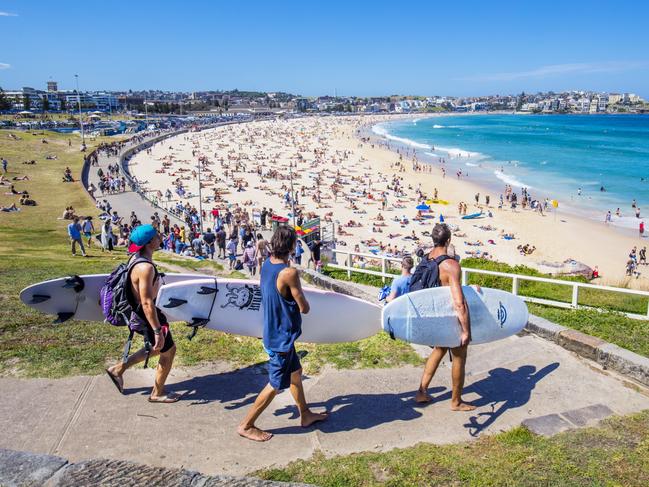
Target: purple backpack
115 300
115 297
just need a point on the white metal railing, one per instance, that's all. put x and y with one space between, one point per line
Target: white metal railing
348 265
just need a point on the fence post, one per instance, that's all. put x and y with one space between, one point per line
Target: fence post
575 295
515 284
349 265
383 270
464 278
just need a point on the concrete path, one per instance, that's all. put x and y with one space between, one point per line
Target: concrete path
514 381
128 201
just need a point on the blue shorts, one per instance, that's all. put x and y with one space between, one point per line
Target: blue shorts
87 234
280 367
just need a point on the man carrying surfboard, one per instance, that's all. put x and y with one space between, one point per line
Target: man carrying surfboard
449 274
144 280
282 301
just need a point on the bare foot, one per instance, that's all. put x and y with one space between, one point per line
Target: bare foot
118 380
253 433
463 407
309 418
423 397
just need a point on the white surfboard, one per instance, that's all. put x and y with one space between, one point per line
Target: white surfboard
234 306
77 297
427 317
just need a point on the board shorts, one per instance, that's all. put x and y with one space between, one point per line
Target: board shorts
87 234
280 367
169 340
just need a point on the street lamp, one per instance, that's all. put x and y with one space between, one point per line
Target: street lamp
83 138
290 166
200 198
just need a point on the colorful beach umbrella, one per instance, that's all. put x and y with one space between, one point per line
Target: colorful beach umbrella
423 207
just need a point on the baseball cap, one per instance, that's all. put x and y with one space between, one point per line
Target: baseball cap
140 236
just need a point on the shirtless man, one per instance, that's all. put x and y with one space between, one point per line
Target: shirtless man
145 283
450 274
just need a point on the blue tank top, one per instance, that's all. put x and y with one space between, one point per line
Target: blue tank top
282 318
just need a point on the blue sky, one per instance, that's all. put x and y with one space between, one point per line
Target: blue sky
322 47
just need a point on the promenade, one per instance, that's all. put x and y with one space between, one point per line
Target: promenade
521 380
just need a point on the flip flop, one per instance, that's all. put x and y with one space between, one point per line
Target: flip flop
167 398
119 386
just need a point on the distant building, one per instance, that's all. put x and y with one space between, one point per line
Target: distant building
52 86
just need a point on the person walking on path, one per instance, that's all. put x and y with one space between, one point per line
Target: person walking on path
449 274
144 283
282 301
74 232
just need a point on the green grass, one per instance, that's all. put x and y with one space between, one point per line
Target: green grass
614 453
34 247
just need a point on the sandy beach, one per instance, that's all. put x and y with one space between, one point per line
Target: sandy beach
370 193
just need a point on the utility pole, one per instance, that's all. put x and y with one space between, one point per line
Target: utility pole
200 198
146 115
83 137
290 166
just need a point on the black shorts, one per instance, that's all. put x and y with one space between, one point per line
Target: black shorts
169 340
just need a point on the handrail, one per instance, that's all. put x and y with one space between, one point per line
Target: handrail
516 279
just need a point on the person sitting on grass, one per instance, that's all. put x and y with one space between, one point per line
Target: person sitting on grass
26 201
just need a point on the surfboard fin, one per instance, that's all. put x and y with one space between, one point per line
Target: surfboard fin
39 298
206 290
62 317
196 324
174 303
75 282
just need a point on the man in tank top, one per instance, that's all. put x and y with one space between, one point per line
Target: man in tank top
282 301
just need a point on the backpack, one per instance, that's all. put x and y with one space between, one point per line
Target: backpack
115 299
115 294
426 274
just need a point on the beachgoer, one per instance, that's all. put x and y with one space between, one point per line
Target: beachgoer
282 301
144 283
220 242
232 250
263 250
74 232
209 238
401 284
107 235
87 229
250 258
299 250
450 274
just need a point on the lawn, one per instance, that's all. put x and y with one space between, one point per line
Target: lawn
34 247
614 453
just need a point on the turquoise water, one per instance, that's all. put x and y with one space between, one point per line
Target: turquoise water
553 155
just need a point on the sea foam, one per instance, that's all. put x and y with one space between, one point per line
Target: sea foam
511 180
381 131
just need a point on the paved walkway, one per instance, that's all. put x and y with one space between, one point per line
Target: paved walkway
128 201
521 380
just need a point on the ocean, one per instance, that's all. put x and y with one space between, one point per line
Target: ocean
553 156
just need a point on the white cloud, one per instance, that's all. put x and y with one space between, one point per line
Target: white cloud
560 69
7 14
5 66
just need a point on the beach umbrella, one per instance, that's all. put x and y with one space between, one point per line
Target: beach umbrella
423 207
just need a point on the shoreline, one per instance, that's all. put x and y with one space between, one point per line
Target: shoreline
267 146
490 183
